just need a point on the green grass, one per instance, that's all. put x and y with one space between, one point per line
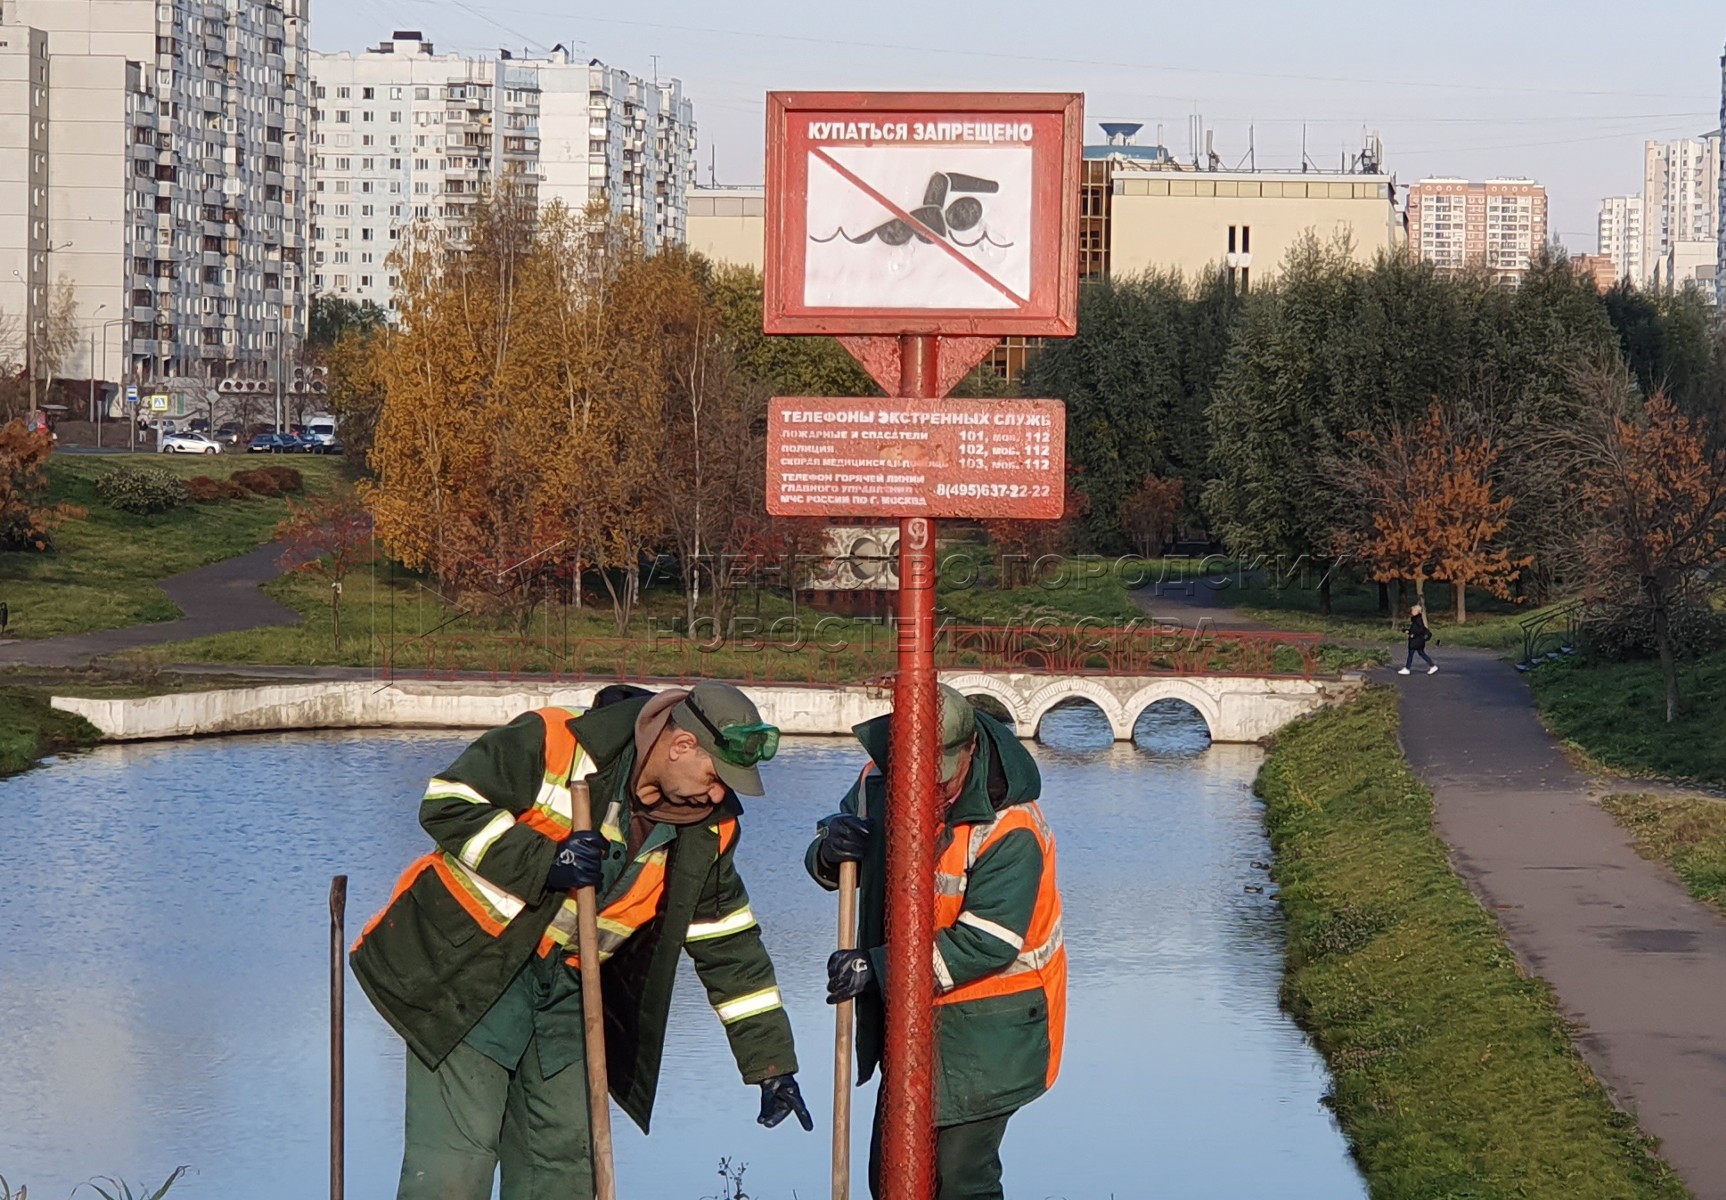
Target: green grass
1615 713
1492 624
1688 833
30 729
1453 1074
103 570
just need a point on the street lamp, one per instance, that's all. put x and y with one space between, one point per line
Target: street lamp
90 363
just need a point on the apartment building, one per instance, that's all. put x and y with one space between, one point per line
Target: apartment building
1497 225
1720 204
1681 191
1620 236
404 134
170 193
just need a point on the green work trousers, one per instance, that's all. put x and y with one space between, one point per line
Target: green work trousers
967 1159
471 1116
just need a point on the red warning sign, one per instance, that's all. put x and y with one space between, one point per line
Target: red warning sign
922 213
874 457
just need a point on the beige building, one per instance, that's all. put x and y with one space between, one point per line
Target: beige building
1140 213
1458 225
23 189
726 224
1242 223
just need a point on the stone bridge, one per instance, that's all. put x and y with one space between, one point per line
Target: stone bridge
1236 708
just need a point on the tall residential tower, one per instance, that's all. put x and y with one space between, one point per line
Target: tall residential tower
404 134
165 184
1498 225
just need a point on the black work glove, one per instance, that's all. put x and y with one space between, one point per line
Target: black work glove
849 975
779 1099
845 839
580 862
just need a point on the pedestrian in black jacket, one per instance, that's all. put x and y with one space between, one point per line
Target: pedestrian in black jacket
1418 636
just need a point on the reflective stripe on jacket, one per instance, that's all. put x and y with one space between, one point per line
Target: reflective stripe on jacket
465 919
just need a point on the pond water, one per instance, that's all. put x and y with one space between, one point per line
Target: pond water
163 997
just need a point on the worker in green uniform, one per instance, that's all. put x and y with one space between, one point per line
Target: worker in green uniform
1000 957
474 959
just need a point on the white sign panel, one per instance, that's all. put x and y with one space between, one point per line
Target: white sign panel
947 227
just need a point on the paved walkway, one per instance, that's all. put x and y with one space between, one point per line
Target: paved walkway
1637 964
220 598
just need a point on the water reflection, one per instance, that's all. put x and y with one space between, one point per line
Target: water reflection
164 994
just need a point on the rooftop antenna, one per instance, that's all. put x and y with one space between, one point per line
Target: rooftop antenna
1212 157
655 59
712 167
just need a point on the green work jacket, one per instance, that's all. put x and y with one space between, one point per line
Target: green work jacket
994 1052
468 918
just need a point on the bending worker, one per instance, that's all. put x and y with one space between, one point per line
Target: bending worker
473 962
1000 965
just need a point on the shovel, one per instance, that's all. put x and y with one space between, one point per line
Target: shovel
593 1013
843 1030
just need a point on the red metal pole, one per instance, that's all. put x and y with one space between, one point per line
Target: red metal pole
908 1082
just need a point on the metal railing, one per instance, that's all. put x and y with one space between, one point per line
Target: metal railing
1550 635
851 654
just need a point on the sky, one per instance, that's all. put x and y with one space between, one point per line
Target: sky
1564 92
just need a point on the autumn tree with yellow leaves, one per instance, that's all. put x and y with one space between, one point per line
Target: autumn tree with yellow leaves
555 399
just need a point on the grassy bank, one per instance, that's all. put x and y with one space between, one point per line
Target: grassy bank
1615 713
102 573
1688 833
30 729
1492 624
1453 1073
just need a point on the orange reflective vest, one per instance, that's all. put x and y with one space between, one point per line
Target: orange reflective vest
1042 960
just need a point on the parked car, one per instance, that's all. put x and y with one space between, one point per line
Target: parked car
189 443
330 447
199 425
229 433
273 443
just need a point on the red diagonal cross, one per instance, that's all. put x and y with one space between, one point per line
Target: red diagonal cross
936 239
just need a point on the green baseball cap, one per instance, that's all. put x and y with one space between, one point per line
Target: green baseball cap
958 728
727 725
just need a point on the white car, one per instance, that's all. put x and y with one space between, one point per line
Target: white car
189 443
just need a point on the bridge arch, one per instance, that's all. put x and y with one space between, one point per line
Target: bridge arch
1076 687
1173 687
1010 698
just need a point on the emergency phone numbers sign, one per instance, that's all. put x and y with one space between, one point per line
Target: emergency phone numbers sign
915 458
922 212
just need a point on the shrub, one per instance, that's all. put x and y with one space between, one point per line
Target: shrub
25 522
141 490
1623 630
270 481
204 490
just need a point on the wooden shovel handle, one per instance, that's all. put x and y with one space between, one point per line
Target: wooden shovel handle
593 1013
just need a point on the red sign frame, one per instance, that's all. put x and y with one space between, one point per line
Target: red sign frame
1050 310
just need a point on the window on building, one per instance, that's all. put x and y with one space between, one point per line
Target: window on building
343 93
367 93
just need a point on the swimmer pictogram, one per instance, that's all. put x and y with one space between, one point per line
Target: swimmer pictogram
950 208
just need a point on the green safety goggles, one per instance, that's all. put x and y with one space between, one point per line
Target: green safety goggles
741 745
